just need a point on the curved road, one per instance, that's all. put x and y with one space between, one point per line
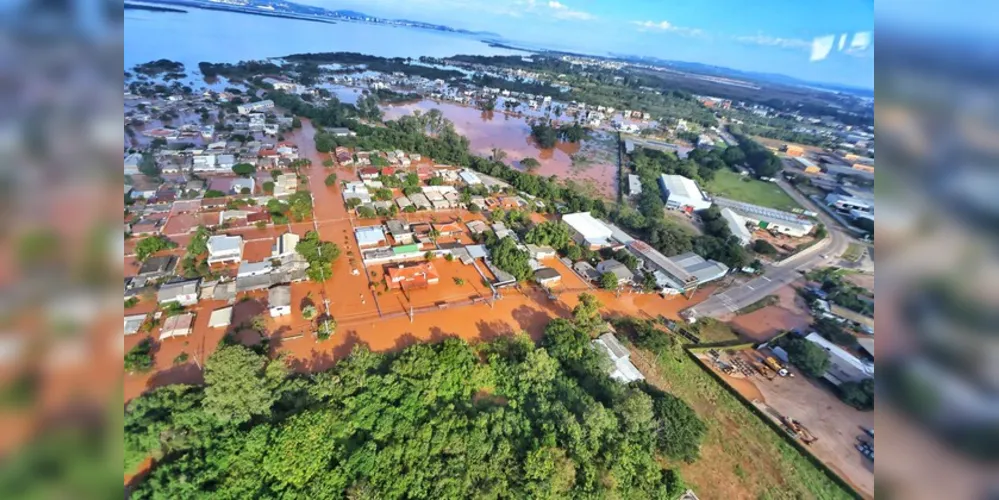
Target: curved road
823 253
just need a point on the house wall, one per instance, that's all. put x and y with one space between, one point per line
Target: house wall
225 257
794 232
280 311
841 371
184 300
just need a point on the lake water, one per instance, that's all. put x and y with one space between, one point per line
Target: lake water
216 36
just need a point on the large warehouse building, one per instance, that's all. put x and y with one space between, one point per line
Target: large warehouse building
843 366
846 199
588 231
681 193
681 274
737 226
770 219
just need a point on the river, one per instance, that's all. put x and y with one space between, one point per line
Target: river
216 36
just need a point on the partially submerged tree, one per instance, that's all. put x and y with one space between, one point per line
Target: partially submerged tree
241 384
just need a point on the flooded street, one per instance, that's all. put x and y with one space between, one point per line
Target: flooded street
365 312
487 130
791 313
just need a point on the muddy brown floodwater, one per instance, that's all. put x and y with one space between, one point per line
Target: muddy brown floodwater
487 130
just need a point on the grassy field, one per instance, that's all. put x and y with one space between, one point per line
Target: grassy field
769 300
854 252
741 456
729 184
711 330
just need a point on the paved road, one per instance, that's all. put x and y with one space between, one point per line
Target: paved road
658 145
823 253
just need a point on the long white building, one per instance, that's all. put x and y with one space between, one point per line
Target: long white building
843 366
770 219
737 226
681 193
587 230
250 107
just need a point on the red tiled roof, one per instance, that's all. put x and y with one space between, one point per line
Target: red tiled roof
388 170
420 228
185 206
448 227
267 152
419 275
258 216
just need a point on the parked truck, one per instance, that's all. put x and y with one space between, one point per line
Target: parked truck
776 366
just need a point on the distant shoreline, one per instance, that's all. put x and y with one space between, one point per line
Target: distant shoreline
501 45
237 10
153 8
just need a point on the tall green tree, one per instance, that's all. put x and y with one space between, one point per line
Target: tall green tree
608 281
152 244
241 384
586 314
809 357
530 164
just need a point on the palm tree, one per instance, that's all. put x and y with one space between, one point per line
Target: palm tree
309 312
259 323
530 164
498 154
326 328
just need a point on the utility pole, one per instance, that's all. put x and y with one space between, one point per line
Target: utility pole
322 272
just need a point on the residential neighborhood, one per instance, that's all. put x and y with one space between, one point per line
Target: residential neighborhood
308 217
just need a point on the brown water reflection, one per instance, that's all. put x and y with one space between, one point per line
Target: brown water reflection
486 130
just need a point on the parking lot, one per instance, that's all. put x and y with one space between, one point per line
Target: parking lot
836 426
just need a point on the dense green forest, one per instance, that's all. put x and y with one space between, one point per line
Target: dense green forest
619 89
503 419
717 242
547 136
374 63
173 69
518 85
241 71
783 134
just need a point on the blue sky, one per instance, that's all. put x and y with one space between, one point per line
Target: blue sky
772 36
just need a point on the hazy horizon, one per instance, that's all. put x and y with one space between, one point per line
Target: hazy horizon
825 42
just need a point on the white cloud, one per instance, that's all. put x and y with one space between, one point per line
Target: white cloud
652 25
666 26
771 41
562 11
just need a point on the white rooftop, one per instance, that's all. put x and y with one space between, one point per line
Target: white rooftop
736 225
222 243
220 317
587 225
622 370
684 191
470 177
840 353
370 235
133 323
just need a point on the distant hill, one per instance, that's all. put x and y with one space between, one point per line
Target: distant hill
282 8
772 78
